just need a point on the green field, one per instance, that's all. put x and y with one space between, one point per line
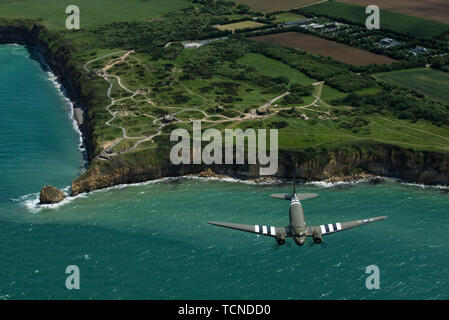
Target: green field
381 129
274 68
432 83
92 13
389 20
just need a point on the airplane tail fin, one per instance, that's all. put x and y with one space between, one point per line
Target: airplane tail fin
288 196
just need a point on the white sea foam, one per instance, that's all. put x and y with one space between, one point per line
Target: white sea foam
16 50
31 201
325 184
425 186
223 179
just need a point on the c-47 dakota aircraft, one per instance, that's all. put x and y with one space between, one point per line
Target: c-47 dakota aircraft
297 227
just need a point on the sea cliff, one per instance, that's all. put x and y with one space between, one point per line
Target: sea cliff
348 164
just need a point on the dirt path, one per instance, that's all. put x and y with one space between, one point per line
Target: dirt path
108 151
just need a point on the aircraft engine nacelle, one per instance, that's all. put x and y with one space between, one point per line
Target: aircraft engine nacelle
317 237
280 240
300 241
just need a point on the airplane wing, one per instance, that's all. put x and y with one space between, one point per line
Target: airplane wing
330 228
259 229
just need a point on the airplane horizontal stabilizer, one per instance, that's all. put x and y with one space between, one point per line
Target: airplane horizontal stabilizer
288 196
282 196
305 196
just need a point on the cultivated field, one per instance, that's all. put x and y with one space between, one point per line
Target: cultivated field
270 5
92 13
437 10
432 83
337 51
239 25
389 20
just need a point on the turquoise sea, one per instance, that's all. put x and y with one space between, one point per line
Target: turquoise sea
151 241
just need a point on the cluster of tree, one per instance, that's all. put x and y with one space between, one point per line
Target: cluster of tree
150 37
404 103
288 113
297 91
440 63
277 124
348 83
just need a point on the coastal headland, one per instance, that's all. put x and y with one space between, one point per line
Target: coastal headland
125 124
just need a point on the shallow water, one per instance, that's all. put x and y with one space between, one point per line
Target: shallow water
152 240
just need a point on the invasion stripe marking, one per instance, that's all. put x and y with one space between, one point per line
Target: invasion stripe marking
331 227
335 226
264 229
323 230
338 226
256 228
327 228
273 231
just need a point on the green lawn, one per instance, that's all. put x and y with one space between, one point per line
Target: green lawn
92 12
432 83
389 20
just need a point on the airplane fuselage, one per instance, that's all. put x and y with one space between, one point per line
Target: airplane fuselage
297 221
297 228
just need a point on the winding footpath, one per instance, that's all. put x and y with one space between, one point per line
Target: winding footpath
109 153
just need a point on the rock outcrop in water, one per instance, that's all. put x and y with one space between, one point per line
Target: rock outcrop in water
50 194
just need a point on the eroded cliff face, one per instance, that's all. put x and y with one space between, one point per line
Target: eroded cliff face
381 160
348 164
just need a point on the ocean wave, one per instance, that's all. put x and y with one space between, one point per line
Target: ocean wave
31 201
425 186
17 50
326 184
226 179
